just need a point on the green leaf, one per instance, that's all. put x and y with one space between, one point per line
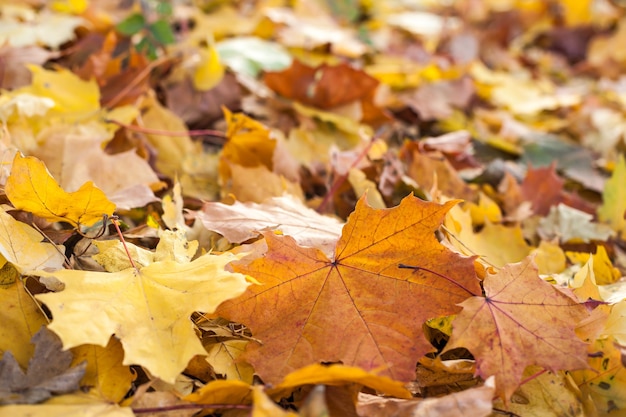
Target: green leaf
131 25
162 32
251 55
146 46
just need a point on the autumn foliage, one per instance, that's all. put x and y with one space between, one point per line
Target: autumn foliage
312 208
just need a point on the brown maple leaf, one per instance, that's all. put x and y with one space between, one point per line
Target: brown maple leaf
364 308
521 321
327 87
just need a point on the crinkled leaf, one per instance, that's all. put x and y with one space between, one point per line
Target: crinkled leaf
30 187
364 295
147 309
521 321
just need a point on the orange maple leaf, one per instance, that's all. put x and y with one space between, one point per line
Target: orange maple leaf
366 307
521 321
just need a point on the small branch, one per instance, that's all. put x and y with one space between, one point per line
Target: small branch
343 178
143 74
204 132
190 407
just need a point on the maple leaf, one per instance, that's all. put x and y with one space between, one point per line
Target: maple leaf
23 246
521 321
30 187
362 308
324 87
48 372
147 309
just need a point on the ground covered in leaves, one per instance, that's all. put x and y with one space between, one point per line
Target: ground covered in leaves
313 208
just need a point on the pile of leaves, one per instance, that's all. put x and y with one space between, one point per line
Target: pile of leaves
313 207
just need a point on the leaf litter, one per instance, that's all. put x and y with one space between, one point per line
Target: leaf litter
295 208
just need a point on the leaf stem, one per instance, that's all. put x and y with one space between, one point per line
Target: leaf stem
143 74
533 376
342 178
119 233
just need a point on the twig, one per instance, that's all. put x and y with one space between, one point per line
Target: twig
190 407
143 74
343 178
204 132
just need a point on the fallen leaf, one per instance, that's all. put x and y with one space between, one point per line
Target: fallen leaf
546 395
257 184
249 143
605 382
171 152
224 359
69 410
242 221
324 87
614 199
364 187
433 169
222 392
49 372
74 98
604 271
438 100
105 375
543 188
14 61
312 28
20 316
487 243
616 323
339 375
209 70
46 29
74 154
263 406
25 247
250 55
474 402
30 187
147 309
521 321
167 401
569 224
364 294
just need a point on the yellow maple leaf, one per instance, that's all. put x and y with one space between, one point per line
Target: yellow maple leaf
613 206
210 70
105 375
24 247
249 144
73 97
30 187
20 317
147 309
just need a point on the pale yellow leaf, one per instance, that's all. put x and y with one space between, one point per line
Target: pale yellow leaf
25 247
147 309
210 70
224 358
30 187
